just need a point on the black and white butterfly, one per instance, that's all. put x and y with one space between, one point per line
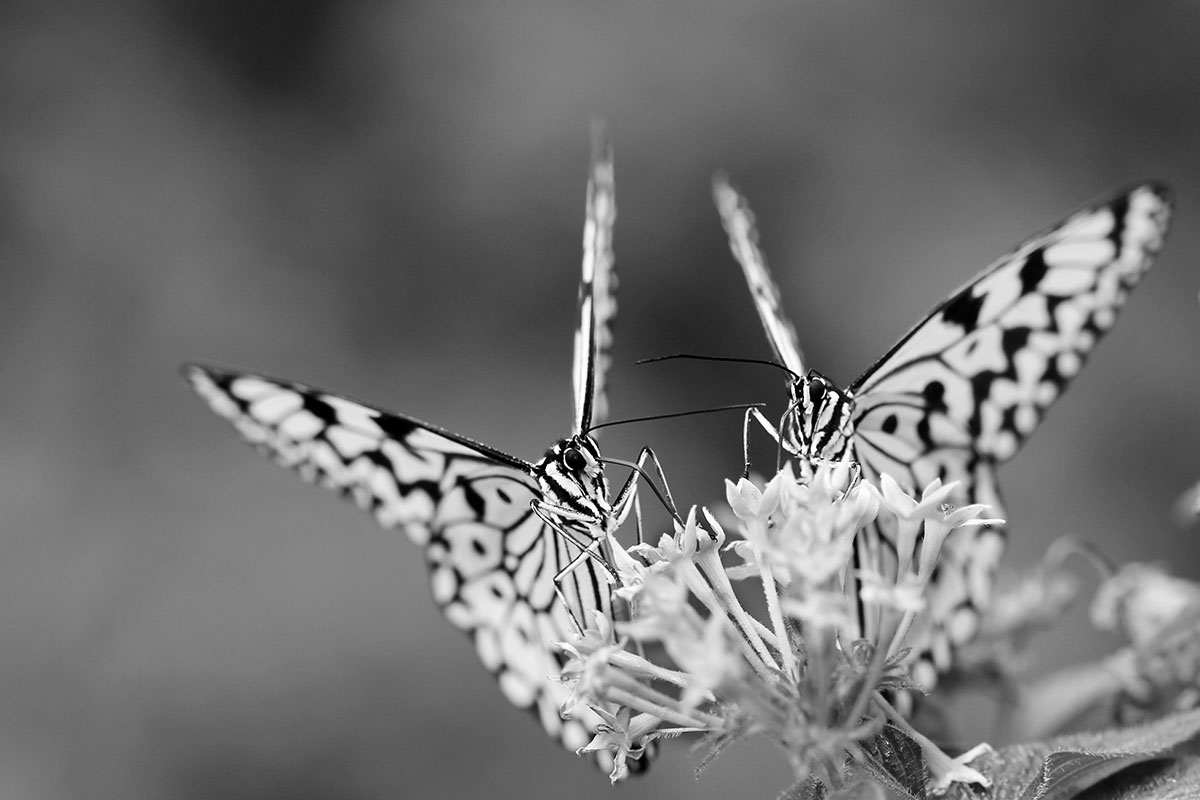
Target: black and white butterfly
962 390
515 549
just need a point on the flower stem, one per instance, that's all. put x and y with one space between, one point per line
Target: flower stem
700 721
771 592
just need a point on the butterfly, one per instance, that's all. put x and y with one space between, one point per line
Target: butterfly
966 386
515 549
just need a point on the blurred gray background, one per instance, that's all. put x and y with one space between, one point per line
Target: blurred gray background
386 199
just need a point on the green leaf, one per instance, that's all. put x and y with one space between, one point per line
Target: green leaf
1074 766
1180 781
895 760
1158 736
1065 773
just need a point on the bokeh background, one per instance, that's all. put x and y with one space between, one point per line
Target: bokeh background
386 199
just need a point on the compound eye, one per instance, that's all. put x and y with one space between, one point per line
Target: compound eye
816 390
573 460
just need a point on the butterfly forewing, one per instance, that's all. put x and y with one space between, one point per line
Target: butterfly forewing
597 291
974 379
743 242
491 560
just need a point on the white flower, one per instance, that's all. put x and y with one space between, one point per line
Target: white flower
941 524
1143 600
906 594
748 502
944 770
625 735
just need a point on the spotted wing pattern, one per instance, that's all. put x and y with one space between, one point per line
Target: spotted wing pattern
972 381
491 560
965 387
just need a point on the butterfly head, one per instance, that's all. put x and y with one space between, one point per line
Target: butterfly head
572 477
820 423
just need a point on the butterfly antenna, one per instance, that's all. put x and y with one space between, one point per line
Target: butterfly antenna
729 359
672 415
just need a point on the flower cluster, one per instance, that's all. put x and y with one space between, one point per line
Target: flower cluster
1159 614
808 659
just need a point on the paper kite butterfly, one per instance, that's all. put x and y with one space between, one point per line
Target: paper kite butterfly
962 390
504 538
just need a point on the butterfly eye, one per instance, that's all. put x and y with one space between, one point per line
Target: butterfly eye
816 390
573 460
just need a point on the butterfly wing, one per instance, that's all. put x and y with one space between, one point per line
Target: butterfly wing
491 559
597 291
971 381
743 241
963 389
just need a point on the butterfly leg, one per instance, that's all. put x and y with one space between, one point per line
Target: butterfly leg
637 519
772 431
554 517
566 571
624 497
